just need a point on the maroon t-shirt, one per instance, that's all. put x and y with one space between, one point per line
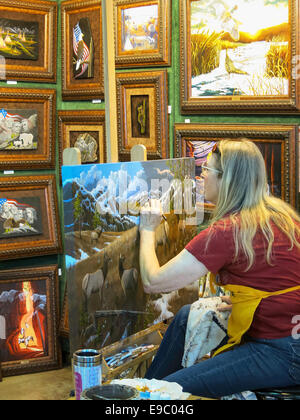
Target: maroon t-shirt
273 317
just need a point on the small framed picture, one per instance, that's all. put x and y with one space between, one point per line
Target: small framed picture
27 129
84 130
142 33
278 144
28 320
29 222
82 51
28 34
143 110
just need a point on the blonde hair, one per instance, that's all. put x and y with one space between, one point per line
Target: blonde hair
245 199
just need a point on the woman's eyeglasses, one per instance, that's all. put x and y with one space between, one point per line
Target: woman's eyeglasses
206 168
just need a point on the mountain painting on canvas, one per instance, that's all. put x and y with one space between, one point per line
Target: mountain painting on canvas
101 214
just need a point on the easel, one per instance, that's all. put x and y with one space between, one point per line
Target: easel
72 155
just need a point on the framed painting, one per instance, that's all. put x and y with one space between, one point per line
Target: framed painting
27 128
84 130
278 144
143 113
29 223
142 32
234 60
28 40
82 51
28 320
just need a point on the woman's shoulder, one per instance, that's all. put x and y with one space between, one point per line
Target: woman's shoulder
226 224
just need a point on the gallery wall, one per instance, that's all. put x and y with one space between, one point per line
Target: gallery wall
174 117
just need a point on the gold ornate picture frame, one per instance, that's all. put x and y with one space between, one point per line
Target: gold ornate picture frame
277 142
28 40
28 332
143 113
231 61
27 128
84 130
142 32
82 50
29 222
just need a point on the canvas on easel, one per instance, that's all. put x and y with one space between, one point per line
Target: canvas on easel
102 202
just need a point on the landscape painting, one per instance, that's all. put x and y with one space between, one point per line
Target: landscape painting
18 129
102 202
28 320
19 40
23 315
236 52
140 28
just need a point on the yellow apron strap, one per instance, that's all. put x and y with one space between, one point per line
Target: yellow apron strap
212 283
245 301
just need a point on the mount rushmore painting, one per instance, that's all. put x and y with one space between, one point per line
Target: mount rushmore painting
101 223
20 218
18 129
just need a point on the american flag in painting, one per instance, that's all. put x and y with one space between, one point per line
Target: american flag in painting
6 114
12 202
80 48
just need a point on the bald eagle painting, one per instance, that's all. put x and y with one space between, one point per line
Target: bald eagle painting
83 50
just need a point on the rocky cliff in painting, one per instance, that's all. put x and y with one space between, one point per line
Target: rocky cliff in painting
101 214
16 343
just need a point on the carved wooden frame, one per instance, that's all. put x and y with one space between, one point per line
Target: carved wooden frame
85 89
44 156
284 134
53 360
49 242
77 121
158 57
235 103
45 69
155 85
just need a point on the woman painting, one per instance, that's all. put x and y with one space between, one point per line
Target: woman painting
253 244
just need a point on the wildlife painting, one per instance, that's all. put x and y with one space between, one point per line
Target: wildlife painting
18 129
23 320
19 40
101 214
140 28
88 146
83 50
20 217
240 48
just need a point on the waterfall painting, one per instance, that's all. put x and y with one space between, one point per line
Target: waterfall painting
102 202
235 53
